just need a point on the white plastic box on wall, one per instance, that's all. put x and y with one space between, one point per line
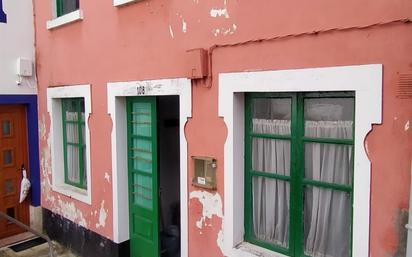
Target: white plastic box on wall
24 67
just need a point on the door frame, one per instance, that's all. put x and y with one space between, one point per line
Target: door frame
116 108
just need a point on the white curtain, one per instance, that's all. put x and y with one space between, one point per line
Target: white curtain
72 134
327 213
270 196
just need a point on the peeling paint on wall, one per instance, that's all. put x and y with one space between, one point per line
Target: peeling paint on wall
171 31
69 211
406 128
219 241
212 205
42 127
225 31
219 13
107 177
184 26
102 216
57 205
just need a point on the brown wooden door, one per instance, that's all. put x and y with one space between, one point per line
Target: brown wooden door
13 154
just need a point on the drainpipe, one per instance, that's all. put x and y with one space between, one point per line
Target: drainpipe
409 225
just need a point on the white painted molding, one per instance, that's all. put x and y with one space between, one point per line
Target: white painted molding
119 3
65 19
116 108
54 96
364 80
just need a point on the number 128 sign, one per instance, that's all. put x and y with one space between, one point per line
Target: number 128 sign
3 16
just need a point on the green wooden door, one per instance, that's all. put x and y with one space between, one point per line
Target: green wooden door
143 179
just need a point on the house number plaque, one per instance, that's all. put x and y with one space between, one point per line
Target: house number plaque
141 90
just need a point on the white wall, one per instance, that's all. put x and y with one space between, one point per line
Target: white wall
16 40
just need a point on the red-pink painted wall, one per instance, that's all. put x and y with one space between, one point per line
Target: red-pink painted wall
148 40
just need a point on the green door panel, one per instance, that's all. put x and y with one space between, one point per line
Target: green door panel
142 176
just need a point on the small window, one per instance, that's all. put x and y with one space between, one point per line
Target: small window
8 158
299 172
6 128
74 145
66 6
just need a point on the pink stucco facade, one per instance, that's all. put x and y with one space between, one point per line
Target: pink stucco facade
149 40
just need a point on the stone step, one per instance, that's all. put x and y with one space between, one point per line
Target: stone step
37 251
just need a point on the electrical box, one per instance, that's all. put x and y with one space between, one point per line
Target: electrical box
197 63
24 67
204 172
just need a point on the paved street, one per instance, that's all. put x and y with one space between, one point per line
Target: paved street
37 251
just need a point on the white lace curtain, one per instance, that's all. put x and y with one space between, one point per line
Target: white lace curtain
73 151
327 213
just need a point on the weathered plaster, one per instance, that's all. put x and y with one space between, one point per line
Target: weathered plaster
171 31
219 13
184 26
69 211
225 31
407 126
102 216
107 177
211 205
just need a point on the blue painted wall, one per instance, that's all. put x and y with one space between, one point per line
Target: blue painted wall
3 16
30 101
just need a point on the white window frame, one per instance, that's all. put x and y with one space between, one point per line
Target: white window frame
364 80
54 108
65 19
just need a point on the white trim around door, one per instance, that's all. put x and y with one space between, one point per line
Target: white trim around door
116 97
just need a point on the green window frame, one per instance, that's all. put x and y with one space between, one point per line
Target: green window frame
66 6
296 177
74 106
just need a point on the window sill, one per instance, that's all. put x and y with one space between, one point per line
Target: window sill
79 194
65 19
119 3
249 250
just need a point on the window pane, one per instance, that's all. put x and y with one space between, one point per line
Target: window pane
329 163
329 117
8 187
73 164
72 133
69 6
6 128
271 115
142 191
327 219
142 119
71 109
271 155
7 157
271 210
142 155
